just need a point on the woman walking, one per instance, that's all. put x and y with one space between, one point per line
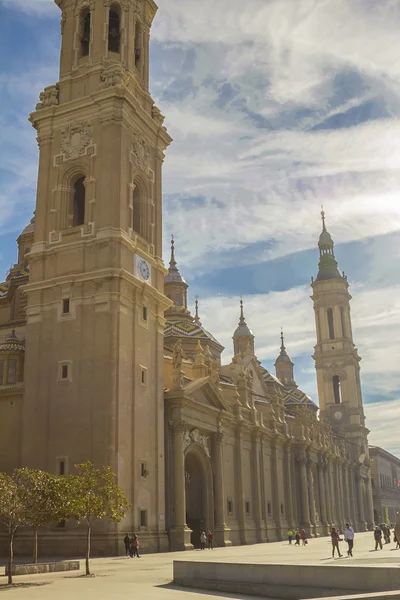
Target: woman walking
335 542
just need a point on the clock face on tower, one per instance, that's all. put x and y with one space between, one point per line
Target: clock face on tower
144 269
338 415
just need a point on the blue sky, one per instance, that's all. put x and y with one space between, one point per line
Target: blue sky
275 107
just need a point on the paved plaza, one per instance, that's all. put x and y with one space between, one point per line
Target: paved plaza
151 575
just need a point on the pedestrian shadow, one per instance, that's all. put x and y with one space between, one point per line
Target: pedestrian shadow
4 586
209 593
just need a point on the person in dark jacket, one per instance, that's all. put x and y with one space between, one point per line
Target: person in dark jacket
378 538
127 542
335 542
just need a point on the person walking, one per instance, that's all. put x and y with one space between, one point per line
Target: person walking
210 539
127 542
378 538
335 542
349 538
303 537
203 539
297 538
290 536
135 546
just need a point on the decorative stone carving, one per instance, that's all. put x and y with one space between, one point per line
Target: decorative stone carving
75 139
195 437
178 355
87 229
178 426
140 152
114 76
54 237
157 116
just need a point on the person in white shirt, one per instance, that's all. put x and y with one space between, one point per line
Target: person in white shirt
349 538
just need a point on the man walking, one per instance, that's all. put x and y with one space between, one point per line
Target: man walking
378 538
349 538
290 536
127 542
210 538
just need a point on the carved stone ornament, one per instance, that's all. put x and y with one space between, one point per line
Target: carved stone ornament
195 437
140 152
114 76
49 97
75 139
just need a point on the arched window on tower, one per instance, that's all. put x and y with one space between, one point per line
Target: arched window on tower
114 29
137 210
79 202
343 317
336 389
85 32
330 324
138 44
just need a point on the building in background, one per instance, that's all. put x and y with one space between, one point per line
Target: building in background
102 360
385 473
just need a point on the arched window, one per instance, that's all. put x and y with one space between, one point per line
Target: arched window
85 32
330 324
79 202
114 29
342 317
137 211
336 389
138 43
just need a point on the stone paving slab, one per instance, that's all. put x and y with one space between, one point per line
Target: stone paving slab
150 576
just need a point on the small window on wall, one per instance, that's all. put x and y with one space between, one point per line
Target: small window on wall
61 466
1 371
144 313
114 26
342 318
143 375
269 508
138 43
12 371
282 509
330 324
230 506
143 518
66 306
247 507
336 389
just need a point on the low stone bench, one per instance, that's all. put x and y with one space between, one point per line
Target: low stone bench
53 567
290 582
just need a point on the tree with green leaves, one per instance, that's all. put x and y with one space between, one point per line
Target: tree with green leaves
44 499
12 514
95 495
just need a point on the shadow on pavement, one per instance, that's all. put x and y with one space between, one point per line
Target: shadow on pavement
4 586
209 593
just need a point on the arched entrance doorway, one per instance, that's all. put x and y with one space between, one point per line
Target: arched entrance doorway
198 496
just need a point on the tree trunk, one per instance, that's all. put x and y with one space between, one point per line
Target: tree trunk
89 529
10 557
35 545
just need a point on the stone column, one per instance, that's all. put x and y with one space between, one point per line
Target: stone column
221 530
328 497
362 526
261 535
239 486
179 534
333 493
370 513
353 503
289 484
346 493
305 505
311 495
322 495
340 493
276 509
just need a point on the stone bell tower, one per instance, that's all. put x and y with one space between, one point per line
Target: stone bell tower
95 314
338 373
336 357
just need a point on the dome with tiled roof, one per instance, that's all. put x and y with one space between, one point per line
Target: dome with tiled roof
30 228
188 329
12 344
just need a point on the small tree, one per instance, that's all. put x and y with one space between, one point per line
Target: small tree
43 498
12 514
95 495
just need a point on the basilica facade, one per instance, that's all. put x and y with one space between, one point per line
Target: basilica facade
102 360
